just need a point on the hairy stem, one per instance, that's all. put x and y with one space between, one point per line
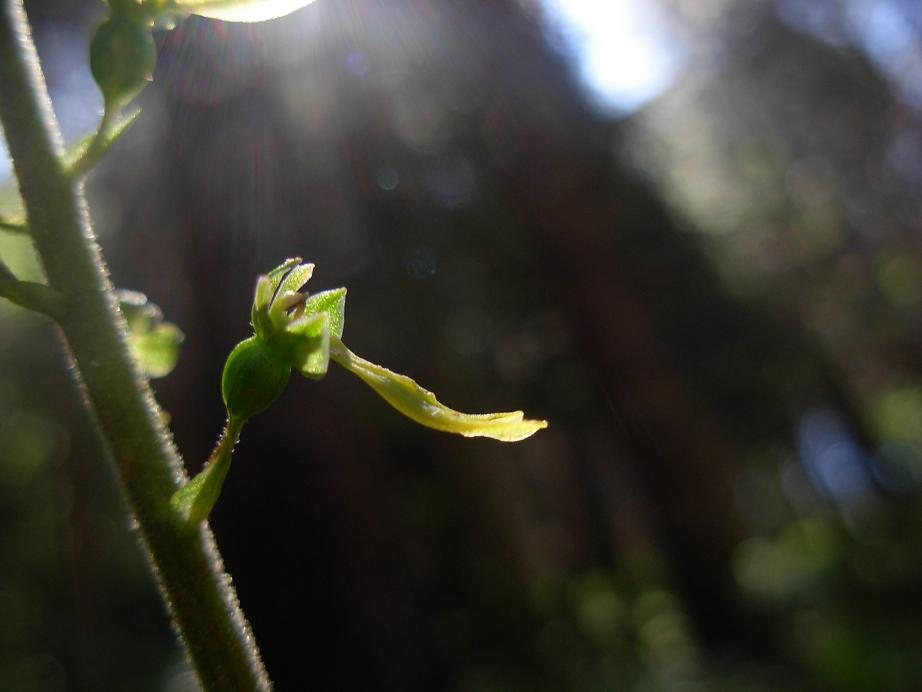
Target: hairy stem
31 295
13 226
187 564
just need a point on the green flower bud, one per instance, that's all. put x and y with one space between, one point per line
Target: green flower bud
154 343
254 377
122 58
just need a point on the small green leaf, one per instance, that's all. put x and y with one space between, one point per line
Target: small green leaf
240 10
420 405
88 151
194 501
332 302
157 351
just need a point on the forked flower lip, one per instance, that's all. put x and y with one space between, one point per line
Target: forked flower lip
422 406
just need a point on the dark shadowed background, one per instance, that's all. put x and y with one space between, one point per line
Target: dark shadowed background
686 233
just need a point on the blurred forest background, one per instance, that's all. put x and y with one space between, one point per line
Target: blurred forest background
686 233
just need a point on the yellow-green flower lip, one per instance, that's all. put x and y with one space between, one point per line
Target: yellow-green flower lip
421 405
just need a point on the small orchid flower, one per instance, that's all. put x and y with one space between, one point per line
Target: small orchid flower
297 331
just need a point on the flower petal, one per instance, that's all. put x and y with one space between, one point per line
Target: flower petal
240 10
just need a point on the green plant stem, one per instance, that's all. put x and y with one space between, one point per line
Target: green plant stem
11 226
96 148
31 295
187 564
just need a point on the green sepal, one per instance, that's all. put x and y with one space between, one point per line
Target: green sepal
254 376
310 344
259 315
333 303
280 272
296 278
420 404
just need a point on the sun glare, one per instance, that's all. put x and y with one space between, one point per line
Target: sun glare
624 50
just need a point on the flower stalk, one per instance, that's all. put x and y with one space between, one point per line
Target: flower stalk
187 565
